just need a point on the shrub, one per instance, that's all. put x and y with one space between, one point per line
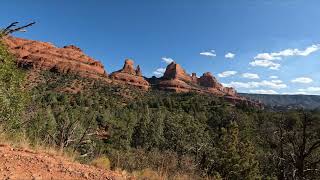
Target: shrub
101 162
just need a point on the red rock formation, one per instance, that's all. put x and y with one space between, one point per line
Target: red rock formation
176 79
138 71
209 81
46 56
131 76
230 91
128 67
70 59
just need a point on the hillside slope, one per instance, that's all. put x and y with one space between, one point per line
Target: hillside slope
290 101
26 164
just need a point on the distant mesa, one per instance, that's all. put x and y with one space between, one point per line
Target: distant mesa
129 75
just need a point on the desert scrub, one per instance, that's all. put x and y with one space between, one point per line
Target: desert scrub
101 162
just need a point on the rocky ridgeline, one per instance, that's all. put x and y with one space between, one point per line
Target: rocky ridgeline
46 56
129 75
70 59
176 79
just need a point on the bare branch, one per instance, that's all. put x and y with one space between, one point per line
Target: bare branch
9 29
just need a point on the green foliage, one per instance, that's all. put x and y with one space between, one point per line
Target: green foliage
234 159
12 97
196 135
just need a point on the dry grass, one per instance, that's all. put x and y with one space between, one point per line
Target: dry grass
22 142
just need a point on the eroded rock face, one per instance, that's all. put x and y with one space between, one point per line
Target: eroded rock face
176 79
209 81
46 56
131 76
71 59
175 71
128 67
230 91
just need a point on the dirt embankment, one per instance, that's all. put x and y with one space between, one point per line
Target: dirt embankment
18 163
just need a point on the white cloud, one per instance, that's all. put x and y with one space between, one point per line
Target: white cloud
264 91
276 81
315 90
255 84
229 55
266 56
265 63
273 77
159 71
167 60
250 76
227 74
303 80
288 52
295 93
211 53
265 59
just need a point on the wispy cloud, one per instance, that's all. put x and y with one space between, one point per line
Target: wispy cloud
266 59
227 74
288 52
211 53
159 71
255 84
310 90
295 93
276 81
229 55
302 80
273 77
263 91
265 63
167 60
250 76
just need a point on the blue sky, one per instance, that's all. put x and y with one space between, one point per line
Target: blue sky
257 46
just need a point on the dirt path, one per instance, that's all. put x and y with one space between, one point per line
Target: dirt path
26 164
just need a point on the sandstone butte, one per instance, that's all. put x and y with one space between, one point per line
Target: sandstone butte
71 59
129 75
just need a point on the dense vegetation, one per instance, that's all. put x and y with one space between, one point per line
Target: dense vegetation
188 135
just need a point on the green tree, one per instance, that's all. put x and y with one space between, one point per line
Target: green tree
12 96
234 159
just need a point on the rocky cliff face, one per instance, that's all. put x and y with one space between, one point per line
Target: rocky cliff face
39 56
176 79
129 75
46 56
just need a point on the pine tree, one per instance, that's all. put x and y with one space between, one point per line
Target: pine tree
234 159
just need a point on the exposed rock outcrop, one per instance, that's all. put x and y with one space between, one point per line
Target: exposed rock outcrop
40 56
176 79
129 75
46 56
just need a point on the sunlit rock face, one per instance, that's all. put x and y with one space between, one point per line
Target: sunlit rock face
176 79
46 56
129 75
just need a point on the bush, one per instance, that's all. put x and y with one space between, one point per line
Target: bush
101 162
147 174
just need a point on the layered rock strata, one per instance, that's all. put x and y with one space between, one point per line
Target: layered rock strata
46 56
176 79
129 75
